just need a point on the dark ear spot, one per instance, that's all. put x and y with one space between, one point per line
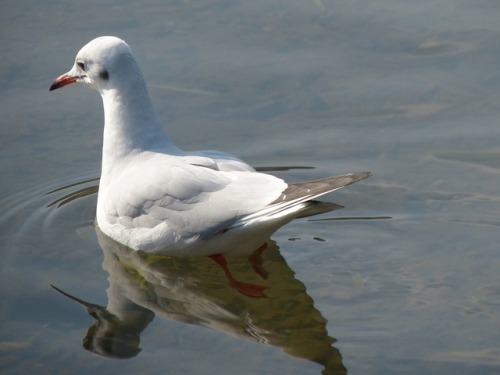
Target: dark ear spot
104 75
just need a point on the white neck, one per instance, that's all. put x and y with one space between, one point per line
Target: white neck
130 124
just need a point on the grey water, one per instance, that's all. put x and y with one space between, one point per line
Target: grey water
403 279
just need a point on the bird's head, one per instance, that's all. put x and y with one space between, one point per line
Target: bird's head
101 64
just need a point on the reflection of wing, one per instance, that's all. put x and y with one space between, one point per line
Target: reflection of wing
193 291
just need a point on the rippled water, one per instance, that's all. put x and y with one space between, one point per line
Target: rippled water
403 279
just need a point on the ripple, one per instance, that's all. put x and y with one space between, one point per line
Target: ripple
82 192
484 159
42 212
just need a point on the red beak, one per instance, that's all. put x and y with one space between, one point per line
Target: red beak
62 81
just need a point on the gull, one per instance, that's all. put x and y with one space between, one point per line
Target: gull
155 197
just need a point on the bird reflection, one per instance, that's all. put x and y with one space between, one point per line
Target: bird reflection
195 291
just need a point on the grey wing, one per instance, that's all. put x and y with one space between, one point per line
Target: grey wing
296 197
301 191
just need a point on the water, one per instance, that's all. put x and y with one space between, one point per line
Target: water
408 91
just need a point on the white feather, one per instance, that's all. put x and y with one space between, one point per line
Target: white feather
156 197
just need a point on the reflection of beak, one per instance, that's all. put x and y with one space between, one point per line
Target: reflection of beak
109 336
62 81
95 311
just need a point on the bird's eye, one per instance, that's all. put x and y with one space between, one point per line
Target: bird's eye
81 65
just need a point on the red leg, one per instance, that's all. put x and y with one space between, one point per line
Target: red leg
250 290
256 261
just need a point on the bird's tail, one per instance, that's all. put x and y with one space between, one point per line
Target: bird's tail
298 195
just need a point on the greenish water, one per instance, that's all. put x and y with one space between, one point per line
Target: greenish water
403 279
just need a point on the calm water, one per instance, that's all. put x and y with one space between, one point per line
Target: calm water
410 284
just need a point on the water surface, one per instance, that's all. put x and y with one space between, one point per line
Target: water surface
403 279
